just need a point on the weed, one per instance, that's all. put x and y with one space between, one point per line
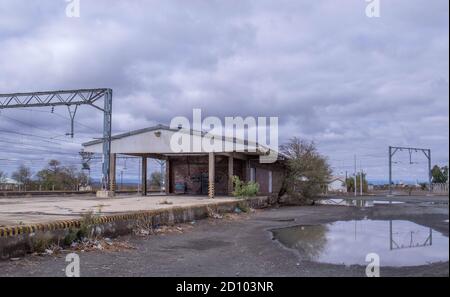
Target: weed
41 242
244 190
88 220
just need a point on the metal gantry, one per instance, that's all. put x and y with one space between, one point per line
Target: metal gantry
395 246
426 152
70 98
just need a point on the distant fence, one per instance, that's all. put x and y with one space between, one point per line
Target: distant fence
440 188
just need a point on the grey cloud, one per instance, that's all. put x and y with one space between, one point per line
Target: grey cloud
354 85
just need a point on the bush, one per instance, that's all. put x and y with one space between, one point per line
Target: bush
243 190
308 172
41 242
88 220
72 236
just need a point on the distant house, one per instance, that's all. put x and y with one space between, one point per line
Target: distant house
337 184
9 184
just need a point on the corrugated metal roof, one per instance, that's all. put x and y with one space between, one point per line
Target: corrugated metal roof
131 133
167 128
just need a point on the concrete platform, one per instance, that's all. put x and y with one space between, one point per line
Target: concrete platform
38 210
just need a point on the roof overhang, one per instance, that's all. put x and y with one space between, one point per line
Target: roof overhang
158 141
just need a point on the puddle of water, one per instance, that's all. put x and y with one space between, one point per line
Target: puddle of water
387 202
355 202
398 243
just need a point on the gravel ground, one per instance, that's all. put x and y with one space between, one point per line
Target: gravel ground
238 245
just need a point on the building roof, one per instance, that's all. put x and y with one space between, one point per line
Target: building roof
9 181
142 141
336 178
131 133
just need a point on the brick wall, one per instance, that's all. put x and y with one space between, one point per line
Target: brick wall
192 171
262 176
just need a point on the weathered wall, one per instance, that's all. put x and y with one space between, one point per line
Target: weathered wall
262 176
193 170
18 240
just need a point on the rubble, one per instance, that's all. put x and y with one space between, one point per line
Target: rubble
165 201
160 230
105 244
213 214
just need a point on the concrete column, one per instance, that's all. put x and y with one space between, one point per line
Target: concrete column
167 180
211 175
230 175
246 171
112 172
144 176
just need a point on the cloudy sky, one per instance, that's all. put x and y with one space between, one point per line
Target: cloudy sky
353 84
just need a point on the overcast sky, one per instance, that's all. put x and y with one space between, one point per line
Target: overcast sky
353 84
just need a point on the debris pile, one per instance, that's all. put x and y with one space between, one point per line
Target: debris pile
165 201
213 214
159 230
104 244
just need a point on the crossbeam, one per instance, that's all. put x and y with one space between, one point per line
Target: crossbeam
70 98
53 98
426 152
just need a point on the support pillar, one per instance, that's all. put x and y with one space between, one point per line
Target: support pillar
211 175
430 178
112 173
390 170
230 175
107 122
246 171
144 176
167 180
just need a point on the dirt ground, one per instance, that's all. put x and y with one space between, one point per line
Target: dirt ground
240 245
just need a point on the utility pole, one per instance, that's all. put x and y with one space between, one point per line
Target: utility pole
361 183
390 170
355 176
346 186
121 179
430 181
161 178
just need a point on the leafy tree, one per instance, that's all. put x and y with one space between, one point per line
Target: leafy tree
22 175
439 174
54 165
351 183
59 177
156 179
307 170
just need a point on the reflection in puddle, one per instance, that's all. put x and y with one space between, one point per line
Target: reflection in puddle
398 243
355 202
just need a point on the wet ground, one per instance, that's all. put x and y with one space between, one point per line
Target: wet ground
396 242
248 245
